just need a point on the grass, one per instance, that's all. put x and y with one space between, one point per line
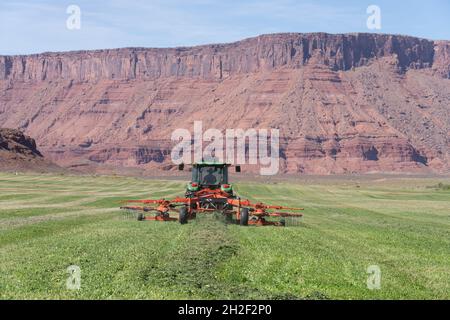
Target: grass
49 222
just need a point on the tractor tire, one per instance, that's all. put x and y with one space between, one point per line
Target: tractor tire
183 216
244 217
140 216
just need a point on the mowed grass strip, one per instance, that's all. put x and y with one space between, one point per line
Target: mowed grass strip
49 222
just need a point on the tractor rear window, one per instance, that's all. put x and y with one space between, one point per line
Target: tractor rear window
211 175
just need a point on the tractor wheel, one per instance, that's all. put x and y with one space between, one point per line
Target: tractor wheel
183 217
140 216
244 217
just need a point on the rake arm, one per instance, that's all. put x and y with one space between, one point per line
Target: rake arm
202 202
258 206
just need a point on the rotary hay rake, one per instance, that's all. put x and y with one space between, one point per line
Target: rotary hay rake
210 192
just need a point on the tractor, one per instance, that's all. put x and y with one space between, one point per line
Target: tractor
209 191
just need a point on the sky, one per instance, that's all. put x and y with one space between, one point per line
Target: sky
34 26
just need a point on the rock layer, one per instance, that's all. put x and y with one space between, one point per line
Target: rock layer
341 52
18 151
15 141
343 103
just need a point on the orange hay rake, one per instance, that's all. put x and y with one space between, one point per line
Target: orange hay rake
210 192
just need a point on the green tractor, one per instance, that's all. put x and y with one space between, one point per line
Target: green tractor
209 176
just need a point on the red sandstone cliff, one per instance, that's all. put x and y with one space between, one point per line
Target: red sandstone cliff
343 103
19 152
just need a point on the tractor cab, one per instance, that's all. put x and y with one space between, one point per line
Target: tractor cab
210 175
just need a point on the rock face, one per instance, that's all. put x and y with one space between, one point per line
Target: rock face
343 103
18 151
340 52
16 142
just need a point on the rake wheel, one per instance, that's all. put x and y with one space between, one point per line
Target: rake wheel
244 217
183 217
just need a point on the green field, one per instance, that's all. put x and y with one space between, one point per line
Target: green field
48 223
